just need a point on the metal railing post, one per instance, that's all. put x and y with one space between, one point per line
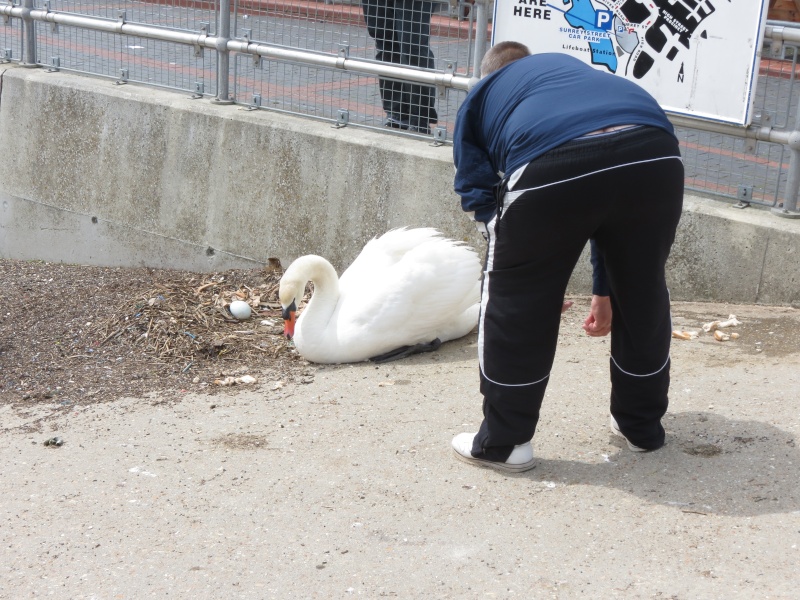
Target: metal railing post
481 27
781 33
29 35
223 54
789 208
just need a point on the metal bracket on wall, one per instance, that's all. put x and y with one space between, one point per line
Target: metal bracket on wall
745 195
764 119
7 18
123 77
205 29
343 55
439 136
461 10
342 118
55 64
450 69
6 55
53 26
255 104
199 90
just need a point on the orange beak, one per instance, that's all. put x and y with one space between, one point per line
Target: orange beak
288 326
289 320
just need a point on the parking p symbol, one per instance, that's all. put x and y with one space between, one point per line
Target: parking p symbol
603 19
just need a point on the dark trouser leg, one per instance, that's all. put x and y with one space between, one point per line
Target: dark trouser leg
636 239
379 16
533 249
413 27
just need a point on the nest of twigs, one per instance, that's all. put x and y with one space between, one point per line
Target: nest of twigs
190 321
73 334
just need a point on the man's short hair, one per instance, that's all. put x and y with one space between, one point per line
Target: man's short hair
501 54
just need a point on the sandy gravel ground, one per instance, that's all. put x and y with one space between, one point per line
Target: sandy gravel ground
343 484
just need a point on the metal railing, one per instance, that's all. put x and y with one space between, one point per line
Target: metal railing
299 56
317 59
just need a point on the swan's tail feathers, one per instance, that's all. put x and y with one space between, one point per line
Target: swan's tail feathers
461 325
404 351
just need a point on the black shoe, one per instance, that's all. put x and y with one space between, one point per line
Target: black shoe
423 129
396 123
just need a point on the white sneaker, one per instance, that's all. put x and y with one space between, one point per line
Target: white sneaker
521 458
616 431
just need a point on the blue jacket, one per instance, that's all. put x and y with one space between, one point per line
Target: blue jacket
533 105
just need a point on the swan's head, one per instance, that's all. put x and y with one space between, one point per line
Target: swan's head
288 293
293 286
289 319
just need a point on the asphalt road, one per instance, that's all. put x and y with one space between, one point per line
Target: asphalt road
346 485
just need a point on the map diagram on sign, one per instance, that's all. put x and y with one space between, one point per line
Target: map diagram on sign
684 52
642 31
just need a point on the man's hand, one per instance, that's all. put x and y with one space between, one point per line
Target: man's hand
598 323
566 305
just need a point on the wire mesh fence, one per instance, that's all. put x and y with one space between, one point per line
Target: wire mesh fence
130 58
733 167
727 166
435 37
10 39
432 37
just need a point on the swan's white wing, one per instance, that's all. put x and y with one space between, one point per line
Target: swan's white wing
382 253
414 298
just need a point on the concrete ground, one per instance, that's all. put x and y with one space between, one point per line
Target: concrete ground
346 485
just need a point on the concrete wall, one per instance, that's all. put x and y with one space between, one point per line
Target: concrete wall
94 173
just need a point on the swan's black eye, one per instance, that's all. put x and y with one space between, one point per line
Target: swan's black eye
287 312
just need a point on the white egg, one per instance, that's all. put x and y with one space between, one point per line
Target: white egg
240 309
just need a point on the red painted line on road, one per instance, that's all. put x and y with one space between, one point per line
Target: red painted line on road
728 190
344 14
782 69
737 155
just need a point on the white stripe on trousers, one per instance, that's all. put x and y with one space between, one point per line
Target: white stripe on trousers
508 200
512 196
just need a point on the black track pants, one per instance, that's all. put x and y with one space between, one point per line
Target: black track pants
625 190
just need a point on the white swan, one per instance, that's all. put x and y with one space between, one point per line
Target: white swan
407 288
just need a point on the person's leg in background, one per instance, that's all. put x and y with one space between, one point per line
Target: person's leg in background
379 16
413 30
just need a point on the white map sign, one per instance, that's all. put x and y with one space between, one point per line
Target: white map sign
696 57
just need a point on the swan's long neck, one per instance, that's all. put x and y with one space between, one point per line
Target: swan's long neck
326 292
